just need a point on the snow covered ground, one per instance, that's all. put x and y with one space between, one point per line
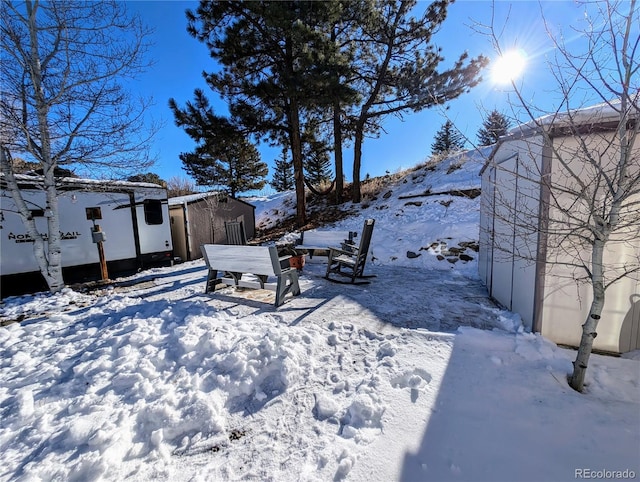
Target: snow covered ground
416 376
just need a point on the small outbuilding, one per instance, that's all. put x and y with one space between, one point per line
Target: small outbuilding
199 219
529 213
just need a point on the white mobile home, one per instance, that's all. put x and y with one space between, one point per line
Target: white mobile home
526 215
133 216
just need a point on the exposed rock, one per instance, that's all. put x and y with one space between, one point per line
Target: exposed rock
473 245
413 203
453 168
440 257
387 194
411 254
452 260
466 257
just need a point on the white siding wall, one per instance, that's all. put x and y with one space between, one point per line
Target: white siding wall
509 244
503 224
509 247
567 301
525 246
77 245
485 255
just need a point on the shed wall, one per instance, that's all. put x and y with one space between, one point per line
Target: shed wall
485 254
205 220
567 301
509 237
549 294
201 225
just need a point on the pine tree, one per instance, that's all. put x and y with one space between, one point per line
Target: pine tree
318 168
150 177
398 68
282 179
248 172
447 139
317 164
493 127
223 157
236 166
275 63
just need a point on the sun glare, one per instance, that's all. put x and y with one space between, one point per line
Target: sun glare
509 66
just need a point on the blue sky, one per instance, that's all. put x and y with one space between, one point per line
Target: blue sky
179 61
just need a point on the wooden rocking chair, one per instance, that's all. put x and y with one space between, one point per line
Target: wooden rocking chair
349 260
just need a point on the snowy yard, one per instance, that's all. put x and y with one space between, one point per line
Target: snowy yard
416 376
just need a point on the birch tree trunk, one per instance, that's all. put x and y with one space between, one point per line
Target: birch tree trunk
590 325
62 104
49 254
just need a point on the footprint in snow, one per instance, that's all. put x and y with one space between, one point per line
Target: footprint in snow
386 349
414 379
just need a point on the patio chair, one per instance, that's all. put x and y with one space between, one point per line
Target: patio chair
235 232
349 260
235 236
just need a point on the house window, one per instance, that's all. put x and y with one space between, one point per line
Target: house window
153 211
93 213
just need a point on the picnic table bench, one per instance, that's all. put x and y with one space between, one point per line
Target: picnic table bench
234 261
316 242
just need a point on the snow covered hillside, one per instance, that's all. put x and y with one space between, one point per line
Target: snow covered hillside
416 376
415 226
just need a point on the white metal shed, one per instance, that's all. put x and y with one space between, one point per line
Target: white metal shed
525 265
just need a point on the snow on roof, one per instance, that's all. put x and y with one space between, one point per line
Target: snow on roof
598 114
97 184
189 198
595 115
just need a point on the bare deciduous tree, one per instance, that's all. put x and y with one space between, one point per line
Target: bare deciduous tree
63 103
584 201
180 186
